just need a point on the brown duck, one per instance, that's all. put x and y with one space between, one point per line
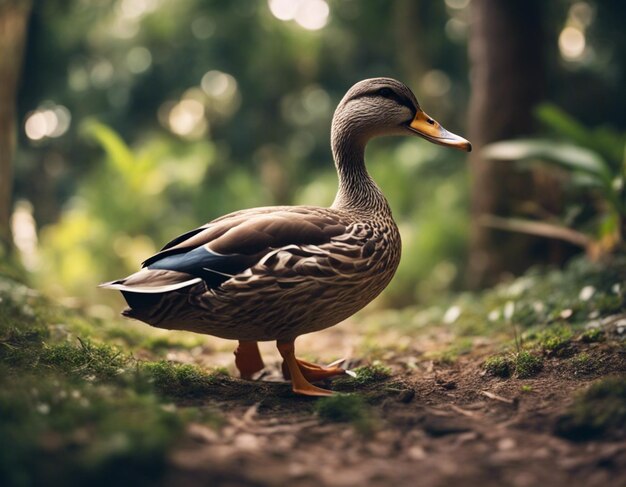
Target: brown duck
276 273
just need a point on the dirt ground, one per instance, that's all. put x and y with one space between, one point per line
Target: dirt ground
432 424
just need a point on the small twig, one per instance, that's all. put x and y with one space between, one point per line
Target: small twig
541 229
462 411
439 412
85 346
495 397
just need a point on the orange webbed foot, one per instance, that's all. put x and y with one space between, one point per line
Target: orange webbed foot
299 383
314 372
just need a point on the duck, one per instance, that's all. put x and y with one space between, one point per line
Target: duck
278 272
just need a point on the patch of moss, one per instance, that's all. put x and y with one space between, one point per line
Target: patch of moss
583 364
526 364
181 380
522 365
499 366
555 339
598 411
369 374
344 408
593 335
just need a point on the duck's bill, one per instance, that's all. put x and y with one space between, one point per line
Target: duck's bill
432 131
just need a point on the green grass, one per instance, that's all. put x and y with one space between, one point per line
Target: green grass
181 380
86 360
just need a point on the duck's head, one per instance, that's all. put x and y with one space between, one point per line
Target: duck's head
384 106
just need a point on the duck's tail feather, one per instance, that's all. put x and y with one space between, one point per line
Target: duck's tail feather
145 288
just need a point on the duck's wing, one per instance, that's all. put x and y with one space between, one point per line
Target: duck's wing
185 240
228 246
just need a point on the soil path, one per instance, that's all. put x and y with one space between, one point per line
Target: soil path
434 425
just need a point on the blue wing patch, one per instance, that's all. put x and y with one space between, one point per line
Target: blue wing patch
213 268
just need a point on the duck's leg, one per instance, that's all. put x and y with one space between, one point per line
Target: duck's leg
248 359
299 384
314 372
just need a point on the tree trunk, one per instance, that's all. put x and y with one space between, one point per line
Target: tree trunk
410 53
13 23
507 77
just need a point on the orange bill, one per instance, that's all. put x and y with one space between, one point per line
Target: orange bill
432 131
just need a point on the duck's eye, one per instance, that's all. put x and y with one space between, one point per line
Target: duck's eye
386 92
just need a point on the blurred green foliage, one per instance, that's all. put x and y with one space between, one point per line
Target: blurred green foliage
595 159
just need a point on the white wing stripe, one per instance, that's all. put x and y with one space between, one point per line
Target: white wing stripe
154 289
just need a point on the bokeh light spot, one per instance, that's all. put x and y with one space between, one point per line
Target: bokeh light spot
309 14
48 121
217 84
572 43
284 9
102 74
36 126
435 83
202 28
456 30
138 59
186 118
312 14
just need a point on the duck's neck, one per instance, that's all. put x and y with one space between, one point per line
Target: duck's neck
357 190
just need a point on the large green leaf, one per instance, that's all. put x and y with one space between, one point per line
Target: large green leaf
569 156
604 140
